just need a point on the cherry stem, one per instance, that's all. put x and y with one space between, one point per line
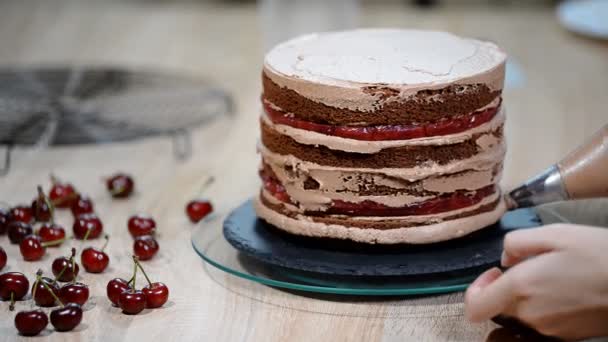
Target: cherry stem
12 306
73 264
107 237
138 264
86 236
53 243
49 203
54 179
48 288
206 184
134 276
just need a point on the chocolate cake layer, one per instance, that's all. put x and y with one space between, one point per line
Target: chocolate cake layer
387 223
399 157
426 106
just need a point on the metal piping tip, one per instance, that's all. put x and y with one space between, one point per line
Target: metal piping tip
511 204
543 188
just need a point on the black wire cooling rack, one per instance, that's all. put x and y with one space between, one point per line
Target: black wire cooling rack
91 105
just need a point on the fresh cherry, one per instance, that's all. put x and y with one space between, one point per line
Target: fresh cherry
66 269
31 248
82 205
115 287
145 247
198 209
17 231
67 317
120 185
62 194
5 219
132 301
50 232
41 292
31 323
74 293
156 294
141 225
3 258
21 213
13 286
87 226
95 260
42 208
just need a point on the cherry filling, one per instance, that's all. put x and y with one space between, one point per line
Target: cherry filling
386 132
443 203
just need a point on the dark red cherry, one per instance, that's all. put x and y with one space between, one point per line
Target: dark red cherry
31 323
120 185
198 210
67 317
3 258
132 302
17 231
94 260
13 286
66 268
41 207
115 287
31 248
42 295
62 194
85 223
74 293
51 232
5 218
156 295
145 247
141 225
21 213
82 205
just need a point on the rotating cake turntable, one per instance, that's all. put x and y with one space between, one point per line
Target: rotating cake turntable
247 247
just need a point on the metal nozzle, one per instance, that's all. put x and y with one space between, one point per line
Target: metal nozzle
543 188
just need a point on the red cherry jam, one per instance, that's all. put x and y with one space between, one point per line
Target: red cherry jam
443 203
386 132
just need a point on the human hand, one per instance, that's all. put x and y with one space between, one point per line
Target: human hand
557 283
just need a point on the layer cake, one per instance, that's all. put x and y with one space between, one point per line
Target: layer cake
382 136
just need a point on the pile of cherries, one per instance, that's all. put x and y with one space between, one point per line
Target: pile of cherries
125 295
34 229
47 292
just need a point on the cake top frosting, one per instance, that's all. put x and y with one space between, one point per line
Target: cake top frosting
383 56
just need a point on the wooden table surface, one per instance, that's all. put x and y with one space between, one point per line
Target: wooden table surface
560 99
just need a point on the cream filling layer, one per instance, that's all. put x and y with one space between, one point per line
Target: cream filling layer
432 218
368 147
436 232
338 186
490 156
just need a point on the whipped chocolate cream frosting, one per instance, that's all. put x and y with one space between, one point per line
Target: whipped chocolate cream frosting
382 77
336 68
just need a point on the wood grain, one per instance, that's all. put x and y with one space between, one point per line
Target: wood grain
561 102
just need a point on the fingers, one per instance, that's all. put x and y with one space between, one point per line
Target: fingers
489 295
522 244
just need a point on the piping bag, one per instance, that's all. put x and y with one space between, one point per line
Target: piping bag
582 174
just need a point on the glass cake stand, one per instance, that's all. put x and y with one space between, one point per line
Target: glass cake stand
209 242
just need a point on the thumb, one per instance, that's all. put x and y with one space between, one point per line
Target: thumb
522 244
